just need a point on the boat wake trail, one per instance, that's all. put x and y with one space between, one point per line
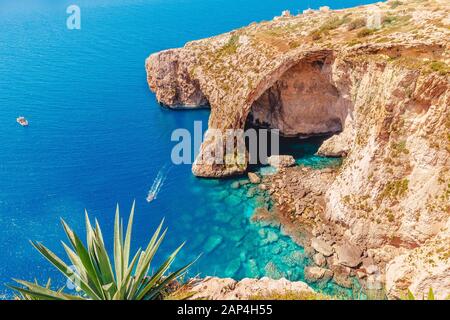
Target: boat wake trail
157 184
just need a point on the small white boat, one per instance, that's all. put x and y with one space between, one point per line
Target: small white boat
22 121
157 184
150 197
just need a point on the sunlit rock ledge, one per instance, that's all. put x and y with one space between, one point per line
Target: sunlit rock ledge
213 288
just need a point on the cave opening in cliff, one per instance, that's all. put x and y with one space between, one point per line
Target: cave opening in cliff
303 150
303 104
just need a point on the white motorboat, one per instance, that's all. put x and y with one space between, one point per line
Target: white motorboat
22 121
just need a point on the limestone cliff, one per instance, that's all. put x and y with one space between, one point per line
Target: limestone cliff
212 288
377 76
422 268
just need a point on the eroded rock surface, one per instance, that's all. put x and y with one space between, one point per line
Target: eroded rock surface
314 73
213 288
302 102
315 274
348 255
254 178
422 268
322 247
384 91
168 76
300 199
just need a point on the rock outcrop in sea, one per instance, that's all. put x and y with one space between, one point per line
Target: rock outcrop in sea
377 78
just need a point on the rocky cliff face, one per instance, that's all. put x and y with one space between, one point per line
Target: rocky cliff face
168 76
384 90
422 268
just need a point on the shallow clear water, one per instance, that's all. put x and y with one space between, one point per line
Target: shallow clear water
98 137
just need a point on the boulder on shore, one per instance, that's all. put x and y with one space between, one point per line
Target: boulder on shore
282 161
319 260
254 178
315 274
348 255
322 247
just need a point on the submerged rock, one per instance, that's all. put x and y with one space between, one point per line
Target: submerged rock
260 200
264 218
233 267
296 258
276 249
235 185
251 192
271 236
283 244
221 195
212 243
223 217
272 271
234 200
244 182
237 223
243 256
251 269
262 233
236 235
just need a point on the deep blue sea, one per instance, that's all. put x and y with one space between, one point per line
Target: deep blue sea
97 136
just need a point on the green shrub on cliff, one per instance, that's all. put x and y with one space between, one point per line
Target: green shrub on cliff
365 32
357 23
395 4
93 274
399 148
330 24
231 46
395 189
440 67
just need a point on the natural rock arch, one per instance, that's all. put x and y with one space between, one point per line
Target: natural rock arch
298 97
302 102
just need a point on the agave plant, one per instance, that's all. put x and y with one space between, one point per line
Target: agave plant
24 296
93 274
410 295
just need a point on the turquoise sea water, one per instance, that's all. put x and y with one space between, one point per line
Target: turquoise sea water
98 137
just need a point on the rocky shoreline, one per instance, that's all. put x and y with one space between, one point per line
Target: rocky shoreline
383 91
299 208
